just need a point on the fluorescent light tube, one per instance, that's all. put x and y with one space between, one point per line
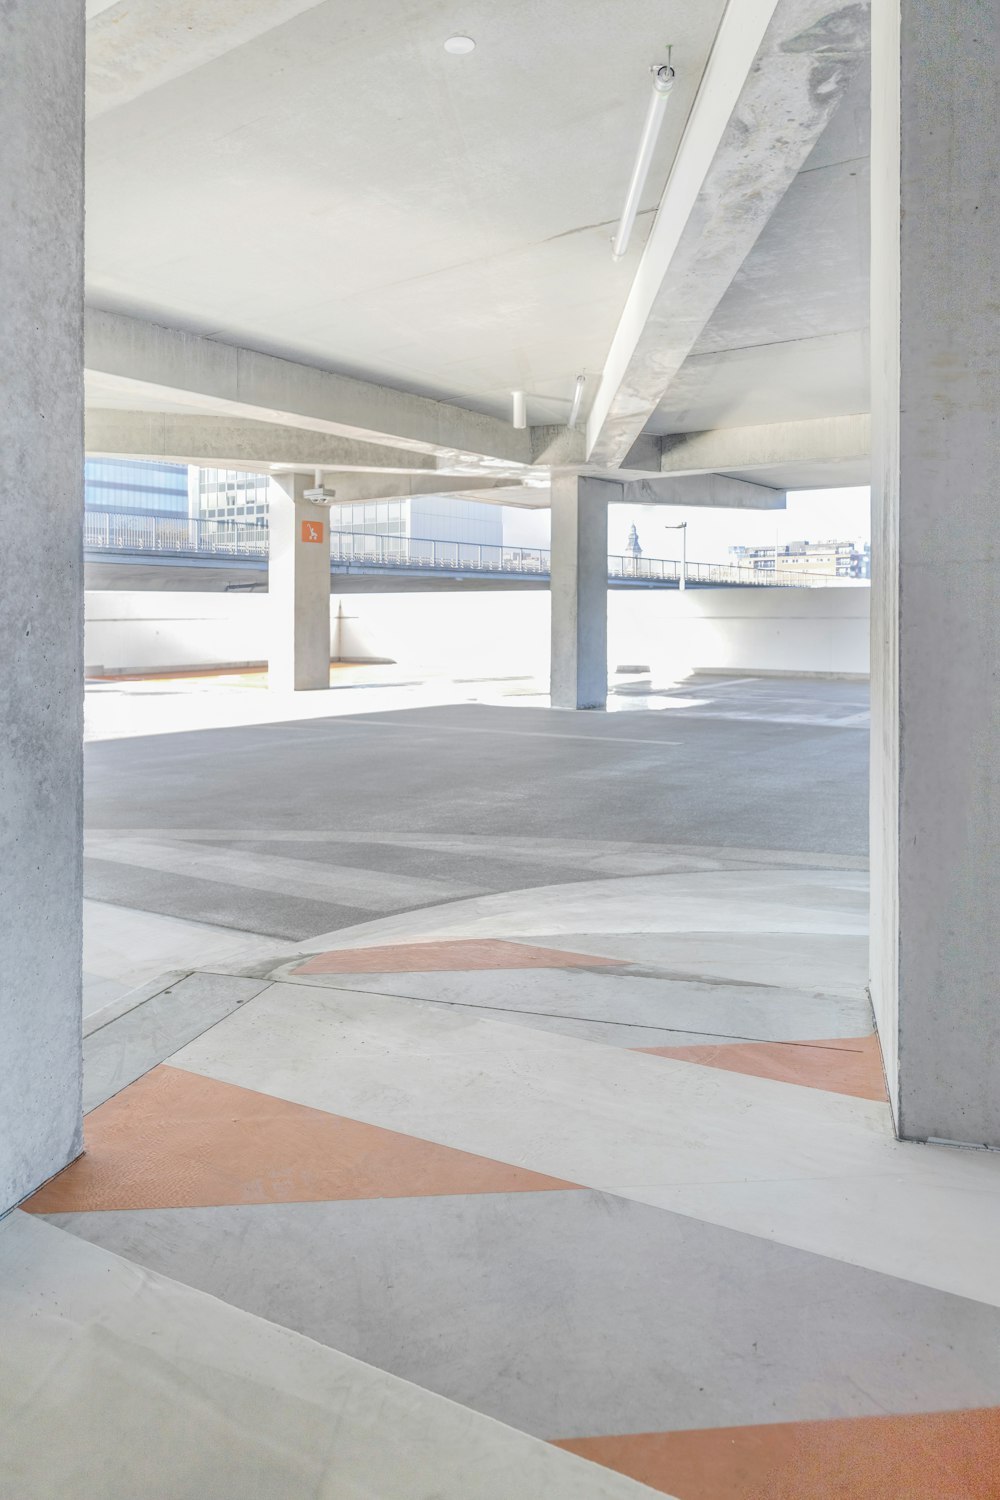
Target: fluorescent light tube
663 81
574 411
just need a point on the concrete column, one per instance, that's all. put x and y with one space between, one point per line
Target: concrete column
936 563
579 672
299 587
41 598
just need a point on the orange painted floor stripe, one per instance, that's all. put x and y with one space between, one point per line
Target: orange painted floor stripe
845 1065
933 1456
456 954
176 1139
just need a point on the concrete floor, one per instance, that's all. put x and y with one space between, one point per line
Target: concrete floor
296 828
542 1148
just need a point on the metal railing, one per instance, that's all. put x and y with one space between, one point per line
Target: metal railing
118 531
366 550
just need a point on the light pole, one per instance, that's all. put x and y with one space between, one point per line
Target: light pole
682 527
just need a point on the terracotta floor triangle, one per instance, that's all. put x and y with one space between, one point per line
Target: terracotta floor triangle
450 955
928 1456
176 1139
845 1065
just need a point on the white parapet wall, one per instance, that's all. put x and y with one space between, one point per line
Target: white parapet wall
494 632
810 631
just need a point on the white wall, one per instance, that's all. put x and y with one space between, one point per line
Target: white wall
148 631
751 630
496 633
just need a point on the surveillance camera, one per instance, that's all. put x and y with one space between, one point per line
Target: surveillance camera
320 496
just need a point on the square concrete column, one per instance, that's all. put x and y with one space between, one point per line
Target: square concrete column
299 587
579 587
41 599
936 563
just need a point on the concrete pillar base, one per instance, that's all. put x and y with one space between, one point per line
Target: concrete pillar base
299 588
579 671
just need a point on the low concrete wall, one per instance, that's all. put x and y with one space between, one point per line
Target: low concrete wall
502 633
794 631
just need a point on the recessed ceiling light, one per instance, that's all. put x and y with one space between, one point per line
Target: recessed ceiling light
459 45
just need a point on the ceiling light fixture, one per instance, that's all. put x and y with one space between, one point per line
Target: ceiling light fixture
519 410
458 46
574 411
663 82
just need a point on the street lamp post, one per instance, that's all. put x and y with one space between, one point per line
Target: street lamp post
682 527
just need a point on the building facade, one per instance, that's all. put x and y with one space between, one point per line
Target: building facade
441 518
824 559
138 487
229 495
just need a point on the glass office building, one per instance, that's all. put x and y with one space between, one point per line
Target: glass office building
138 487
230 495
433 517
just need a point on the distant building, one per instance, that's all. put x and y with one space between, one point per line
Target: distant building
632 545
229 495
135 486
830 559
440 518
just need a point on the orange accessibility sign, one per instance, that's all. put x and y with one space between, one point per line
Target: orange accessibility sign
312 531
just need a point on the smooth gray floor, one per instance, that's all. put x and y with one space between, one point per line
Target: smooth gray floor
576 1312
466 799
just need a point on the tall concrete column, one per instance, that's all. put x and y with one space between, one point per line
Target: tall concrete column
41 597
299 587
579 671
936 563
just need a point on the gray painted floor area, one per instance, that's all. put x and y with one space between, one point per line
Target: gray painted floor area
293 829
117 1054
567 1313
628 1010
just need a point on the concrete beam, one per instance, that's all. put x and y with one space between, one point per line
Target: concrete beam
703 489
133 356
695 489
351 488
233 443
777 72
758 448
558 447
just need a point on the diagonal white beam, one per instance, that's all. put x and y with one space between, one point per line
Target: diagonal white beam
150 363
777 72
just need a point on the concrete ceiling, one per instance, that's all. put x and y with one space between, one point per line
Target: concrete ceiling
324 182
318 180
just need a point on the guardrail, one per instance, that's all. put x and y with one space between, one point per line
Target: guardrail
120 532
